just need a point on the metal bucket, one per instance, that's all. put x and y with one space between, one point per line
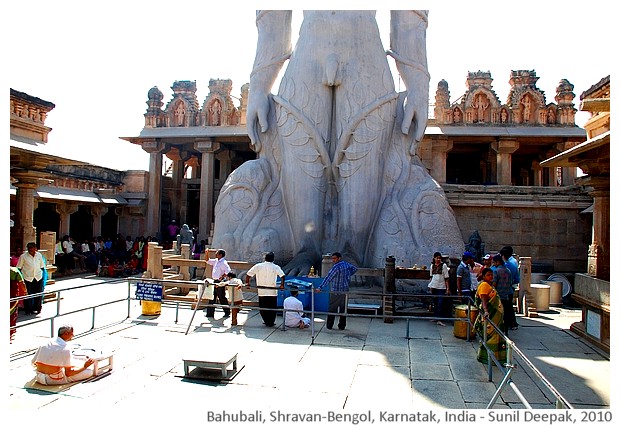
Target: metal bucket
460 326
151 308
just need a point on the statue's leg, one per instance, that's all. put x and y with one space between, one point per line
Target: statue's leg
365 112
302 115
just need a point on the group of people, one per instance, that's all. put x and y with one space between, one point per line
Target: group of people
491 285
268 275
106 257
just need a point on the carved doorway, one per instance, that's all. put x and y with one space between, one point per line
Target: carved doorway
81 224
45 218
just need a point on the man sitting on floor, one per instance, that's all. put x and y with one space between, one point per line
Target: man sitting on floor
293 311
53 361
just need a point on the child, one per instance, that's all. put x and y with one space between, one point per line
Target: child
235 294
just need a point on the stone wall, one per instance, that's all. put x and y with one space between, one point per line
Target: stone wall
543 223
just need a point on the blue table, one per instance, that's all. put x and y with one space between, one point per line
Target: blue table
321 299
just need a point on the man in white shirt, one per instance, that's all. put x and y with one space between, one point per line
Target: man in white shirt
266 274
53 361
294 311
31 264
218 273
67 246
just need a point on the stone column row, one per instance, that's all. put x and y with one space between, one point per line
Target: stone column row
435 154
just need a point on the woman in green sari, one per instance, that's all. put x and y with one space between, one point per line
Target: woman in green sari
490 305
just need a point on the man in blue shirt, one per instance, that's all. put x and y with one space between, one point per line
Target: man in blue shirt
338 278
513 266
463 276
502 282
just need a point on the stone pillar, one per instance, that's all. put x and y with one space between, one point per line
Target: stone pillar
207 148
389 287
65 211
178 159
538 173
225 158
184 269
599 250
504 148
440 150
153 211
569 174
24 208
194 163
96 212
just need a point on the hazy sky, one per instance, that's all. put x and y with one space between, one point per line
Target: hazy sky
97 63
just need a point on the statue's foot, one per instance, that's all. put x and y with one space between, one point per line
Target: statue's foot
300 265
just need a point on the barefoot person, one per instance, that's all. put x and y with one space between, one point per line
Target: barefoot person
54 364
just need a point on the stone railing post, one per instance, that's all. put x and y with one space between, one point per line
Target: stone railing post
326 264
154 270
389 287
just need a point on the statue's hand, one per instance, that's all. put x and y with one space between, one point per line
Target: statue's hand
258 112
415 114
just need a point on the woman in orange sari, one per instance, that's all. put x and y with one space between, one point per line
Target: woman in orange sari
490 305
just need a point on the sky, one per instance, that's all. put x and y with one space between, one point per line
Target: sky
97 61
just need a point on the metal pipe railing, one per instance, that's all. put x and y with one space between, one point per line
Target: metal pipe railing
59 313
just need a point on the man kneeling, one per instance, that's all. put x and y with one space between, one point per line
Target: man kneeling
293 312
53 361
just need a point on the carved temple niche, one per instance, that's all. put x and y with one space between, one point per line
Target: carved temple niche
480 103
481 108
525 100
179 113
181 110
218 108
457 115
527 109
504 116
214 112
551 114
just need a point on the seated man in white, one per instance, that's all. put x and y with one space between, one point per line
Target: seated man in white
53 361
293 312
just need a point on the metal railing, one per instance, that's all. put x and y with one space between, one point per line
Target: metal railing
506 368
59 313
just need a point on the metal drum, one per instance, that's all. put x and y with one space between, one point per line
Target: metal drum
555 293
541 296
460 326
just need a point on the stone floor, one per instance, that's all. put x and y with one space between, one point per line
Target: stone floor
371 365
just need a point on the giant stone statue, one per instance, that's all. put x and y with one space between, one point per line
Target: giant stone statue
337 168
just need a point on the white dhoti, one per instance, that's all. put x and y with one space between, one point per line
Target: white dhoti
61 378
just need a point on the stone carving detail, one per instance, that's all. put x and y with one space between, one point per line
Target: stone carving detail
154 116
337 166
183 106
218 106
526 103
183 110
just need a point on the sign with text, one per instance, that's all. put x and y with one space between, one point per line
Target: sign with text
149 291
